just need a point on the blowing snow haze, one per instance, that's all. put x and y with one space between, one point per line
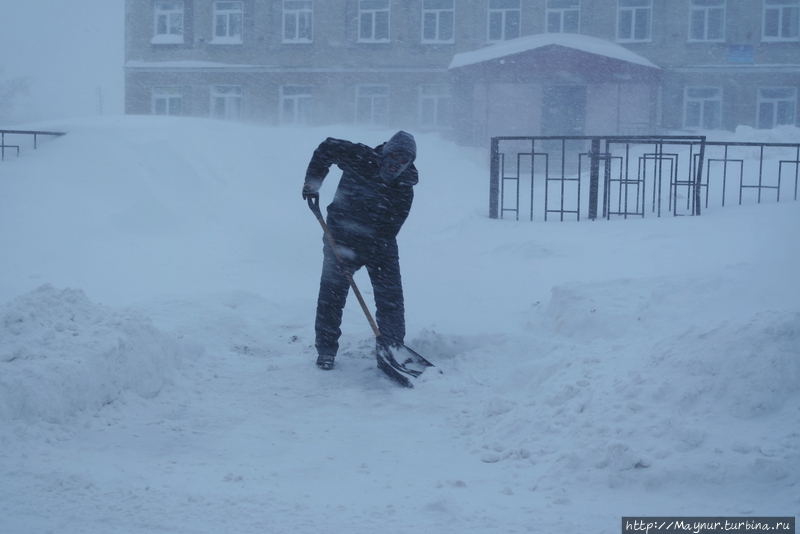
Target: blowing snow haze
737 56
158 280
71 53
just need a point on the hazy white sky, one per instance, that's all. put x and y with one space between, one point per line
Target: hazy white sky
73 52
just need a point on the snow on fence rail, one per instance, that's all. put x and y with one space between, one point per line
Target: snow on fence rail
626 176
35 134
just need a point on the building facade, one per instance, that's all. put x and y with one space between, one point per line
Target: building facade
469 68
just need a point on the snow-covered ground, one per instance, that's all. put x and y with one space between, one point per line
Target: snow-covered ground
157 374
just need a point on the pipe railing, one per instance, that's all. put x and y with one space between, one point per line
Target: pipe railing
34 133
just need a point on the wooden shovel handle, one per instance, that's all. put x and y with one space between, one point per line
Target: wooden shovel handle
313 203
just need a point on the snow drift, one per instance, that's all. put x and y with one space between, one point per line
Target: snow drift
61 354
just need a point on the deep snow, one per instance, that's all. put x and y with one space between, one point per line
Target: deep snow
156 358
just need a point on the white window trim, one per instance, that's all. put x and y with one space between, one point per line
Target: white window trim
295 99
761 100
561 11
362 12
227 39
229 97
166 38
385 96
438 12
437 101
166 92
633 38
780 8
706 9
504 12
309 12
687 99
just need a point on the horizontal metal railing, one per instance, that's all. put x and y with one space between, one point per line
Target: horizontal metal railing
34 133
761 168
629 176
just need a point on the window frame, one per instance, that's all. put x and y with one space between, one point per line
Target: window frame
306 13
229 93
706 12
635 13
228 38
167 37
373 98
781 6
437 14
761 100
168 93
438 123
302 104
372 12
561 12
703 102
503 12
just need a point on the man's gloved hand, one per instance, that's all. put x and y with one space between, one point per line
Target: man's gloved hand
310 191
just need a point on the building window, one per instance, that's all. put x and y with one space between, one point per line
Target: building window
707 20
167 100
373 21
168 23
438 21
296 104
226 102
372 104
435 106
634 18
297 17
563 16
703 108
228 20
776 106
504 20
781 20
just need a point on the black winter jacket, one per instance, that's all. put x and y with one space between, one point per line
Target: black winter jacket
365 207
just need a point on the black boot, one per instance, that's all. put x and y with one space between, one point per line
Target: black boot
325 361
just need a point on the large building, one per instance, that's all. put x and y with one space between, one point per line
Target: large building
469 68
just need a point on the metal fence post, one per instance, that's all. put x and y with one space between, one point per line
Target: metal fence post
494 179
594 178
698 179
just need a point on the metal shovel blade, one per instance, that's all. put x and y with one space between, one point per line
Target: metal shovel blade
400 363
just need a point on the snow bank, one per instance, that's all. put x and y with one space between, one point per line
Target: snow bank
61 354
779 134
635 383
748 134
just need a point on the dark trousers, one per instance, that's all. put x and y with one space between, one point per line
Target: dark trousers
383 266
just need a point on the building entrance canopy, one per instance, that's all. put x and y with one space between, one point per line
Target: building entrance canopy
551 54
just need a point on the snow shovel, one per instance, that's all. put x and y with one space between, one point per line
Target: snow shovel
399 362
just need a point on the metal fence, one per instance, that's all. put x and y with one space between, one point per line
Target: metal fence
14 146
633 176
750 172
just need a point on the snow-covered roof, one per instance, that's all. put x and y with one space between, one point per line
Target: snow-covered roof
592 45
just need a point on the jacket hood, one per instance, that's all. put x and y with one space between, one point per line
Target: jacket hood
401 142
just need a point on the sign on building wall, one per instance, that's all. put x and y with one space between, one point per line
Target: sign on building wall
740 54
